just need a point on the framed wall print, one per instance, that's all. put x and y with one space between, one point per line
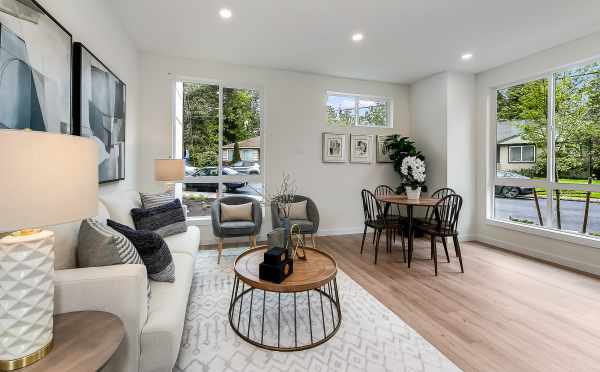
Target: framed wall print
99 112
383 154
334 148
35 77
361 148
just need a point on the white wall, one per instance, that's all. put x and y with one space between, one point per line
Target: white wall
294 119
460 145
566 253
428 109
442 122
92 23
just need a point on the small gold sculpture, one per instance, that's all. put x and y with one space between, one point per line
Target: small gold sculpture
297 239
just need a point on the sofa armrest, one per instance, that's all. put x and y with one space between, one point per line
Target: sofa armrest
118 289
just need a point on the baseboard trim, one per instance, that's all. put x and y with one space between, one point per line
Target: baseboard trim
541 255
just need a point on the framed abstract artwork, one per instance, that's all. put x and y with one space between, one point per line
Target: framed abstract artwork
35 69
361 148
334 148
383 154
99 107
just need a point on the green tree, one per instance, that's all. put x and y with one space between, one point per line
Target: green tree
241 120
375 115
576 118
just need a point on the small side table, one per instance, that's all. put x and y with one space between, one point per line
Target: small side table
83 341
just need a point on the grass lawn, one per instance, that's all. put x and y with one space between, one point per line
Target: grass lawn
572 194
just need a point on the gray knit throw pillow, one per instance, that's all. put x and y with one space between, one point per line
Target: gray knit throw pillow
165 220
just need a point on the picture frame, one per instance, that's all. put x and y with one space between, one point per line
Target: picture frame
99 111
361 148
334 148
36 57
383 155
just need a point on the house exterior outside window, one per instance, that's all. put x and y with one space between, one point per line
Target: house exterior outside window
513 152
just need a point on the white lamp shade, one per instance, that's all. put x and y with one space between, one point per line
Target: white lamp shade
47 179
171 170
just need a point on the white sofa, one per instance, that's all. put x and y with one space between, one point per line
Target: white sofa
153 333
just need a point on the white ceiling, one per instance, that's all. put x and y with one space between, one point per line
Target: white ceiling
404 39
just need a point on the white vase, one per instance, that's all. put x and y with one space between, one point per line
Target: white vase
413 193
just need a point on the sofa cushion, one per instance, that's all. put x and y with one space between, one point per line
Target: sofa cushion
167 219
187 242
161 336
236 212
298 211
305 225
238 228
120 204
152 248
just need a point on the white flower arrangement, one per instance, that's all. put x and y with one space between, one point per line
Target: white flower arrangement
413 172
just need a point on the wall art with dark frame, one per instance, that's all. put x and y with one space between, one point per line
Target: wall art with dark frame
35 69
99 106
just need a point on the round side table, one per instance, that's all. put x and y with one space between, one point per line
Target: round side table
311 295
83 341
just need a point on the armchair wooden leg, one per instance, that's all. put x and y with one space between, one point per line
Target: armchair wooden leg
220 248
314 241
252 241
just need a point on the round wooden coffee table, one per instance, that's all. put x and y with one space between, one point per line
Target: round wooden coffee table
309 299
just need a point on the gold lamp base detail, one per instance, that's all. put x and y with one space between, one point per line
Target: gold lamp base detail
11 365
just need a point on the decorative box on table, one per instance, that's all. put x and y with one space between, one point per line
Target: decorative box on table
276 266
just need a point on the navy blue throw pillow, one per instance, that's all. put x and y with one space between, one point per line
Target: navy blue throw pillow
167 219
152 248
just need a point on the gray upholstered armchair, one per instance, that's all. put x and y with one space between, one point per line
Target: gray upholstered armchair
231 229
308 226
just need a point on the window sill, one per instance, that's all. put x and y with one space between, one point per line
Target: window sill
546 233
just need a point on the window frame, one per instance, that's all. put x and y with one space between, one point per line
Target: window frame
357 97
521 146
549 183
176 131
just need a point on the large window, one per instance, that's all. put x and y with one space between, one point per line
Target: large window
548 152
218 133
356 110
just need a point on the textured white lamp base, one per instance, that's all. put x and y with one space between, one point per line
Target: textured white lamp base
26 298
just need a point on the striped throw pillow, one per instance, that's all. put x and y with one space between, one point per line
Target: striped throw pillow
155 200
100 245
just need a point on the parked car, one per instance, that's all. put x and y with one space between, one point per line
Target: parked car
246 167
511 191
212 187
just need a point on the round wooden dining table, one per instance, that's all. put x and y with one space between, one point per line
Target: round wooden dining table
410 204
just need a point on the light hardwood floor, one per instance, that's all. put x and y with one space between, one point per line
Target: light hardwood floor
506 313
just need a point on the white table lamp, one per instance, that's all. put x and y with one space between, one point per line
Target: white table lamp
47 179
170 171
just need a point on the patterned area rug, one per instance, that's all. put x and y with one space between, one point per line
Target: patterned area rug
371 337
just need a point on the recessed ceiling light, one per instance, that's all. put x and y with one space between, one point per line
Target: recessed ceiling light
357 37
225 13
466 56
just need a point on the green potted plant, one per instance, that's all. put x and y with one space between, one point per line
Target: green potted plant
400 148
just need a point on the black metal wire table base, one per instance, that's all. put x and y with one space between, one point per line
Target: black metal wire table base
324 311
